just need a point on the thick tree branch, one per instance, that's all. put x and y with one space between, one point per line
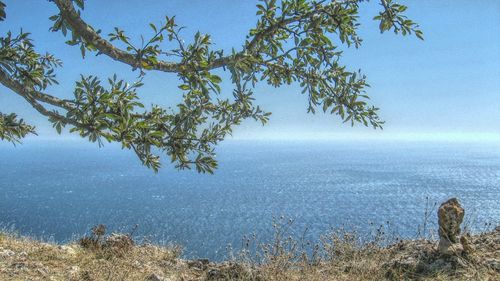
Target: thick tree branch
71 16
33 97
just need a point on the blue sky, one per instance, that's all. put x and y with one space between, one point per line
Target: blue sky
446 87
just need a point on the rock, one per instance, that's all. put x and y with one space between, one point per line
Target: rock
119 242
41 269
492 263
20 266
439 265
450 249
156 277
450 216
69 250
7 253
73 271
23 254
404 264
204 261
200 264
229 271
214 274
468 247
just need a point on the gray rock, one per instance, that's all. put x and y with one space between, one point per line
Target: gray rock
73 271
20 266
200 264
119 242
450 249
69 250
7 253
439 265
23 254
406 263
492 263
450 216
155 277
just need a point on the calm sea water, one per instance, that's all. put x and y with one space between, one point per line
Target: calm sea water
58 190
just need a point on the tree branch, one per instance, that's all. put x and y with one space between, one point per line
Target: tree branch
72 17
32 97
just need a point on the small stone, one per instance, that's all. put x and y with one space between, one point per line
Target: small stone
119 242
227 271
200 264
42 271
204 261
492 263
69 250
468 247
7 253
155 277
405 263
439 265
450 249
214 274
23 254
40 268
73 271
20 266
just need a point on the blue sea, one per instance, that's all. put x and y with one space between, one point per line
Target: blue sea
57 190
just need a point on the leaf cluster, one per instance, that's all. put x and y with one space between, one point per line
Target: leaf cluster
2 11
20 60
13 129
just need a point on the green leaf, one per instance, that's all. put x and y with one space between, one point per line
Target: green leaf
184 87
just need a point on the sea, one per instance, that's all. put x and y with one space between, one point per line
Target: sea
56 190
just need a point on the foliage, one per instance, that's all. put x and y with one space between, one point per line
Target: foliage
12 129
293 41
19 59
2 11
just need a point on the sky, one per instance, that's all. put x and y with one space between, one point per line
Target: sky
446 87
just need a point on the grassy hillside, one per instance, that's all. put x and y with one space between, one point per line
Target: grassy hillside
338 256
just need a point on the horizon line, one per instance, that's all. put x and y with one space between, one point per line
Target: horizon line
284 137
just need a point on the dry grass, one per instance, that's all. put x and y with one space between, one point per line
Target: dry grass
337 256
34 260
340 255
